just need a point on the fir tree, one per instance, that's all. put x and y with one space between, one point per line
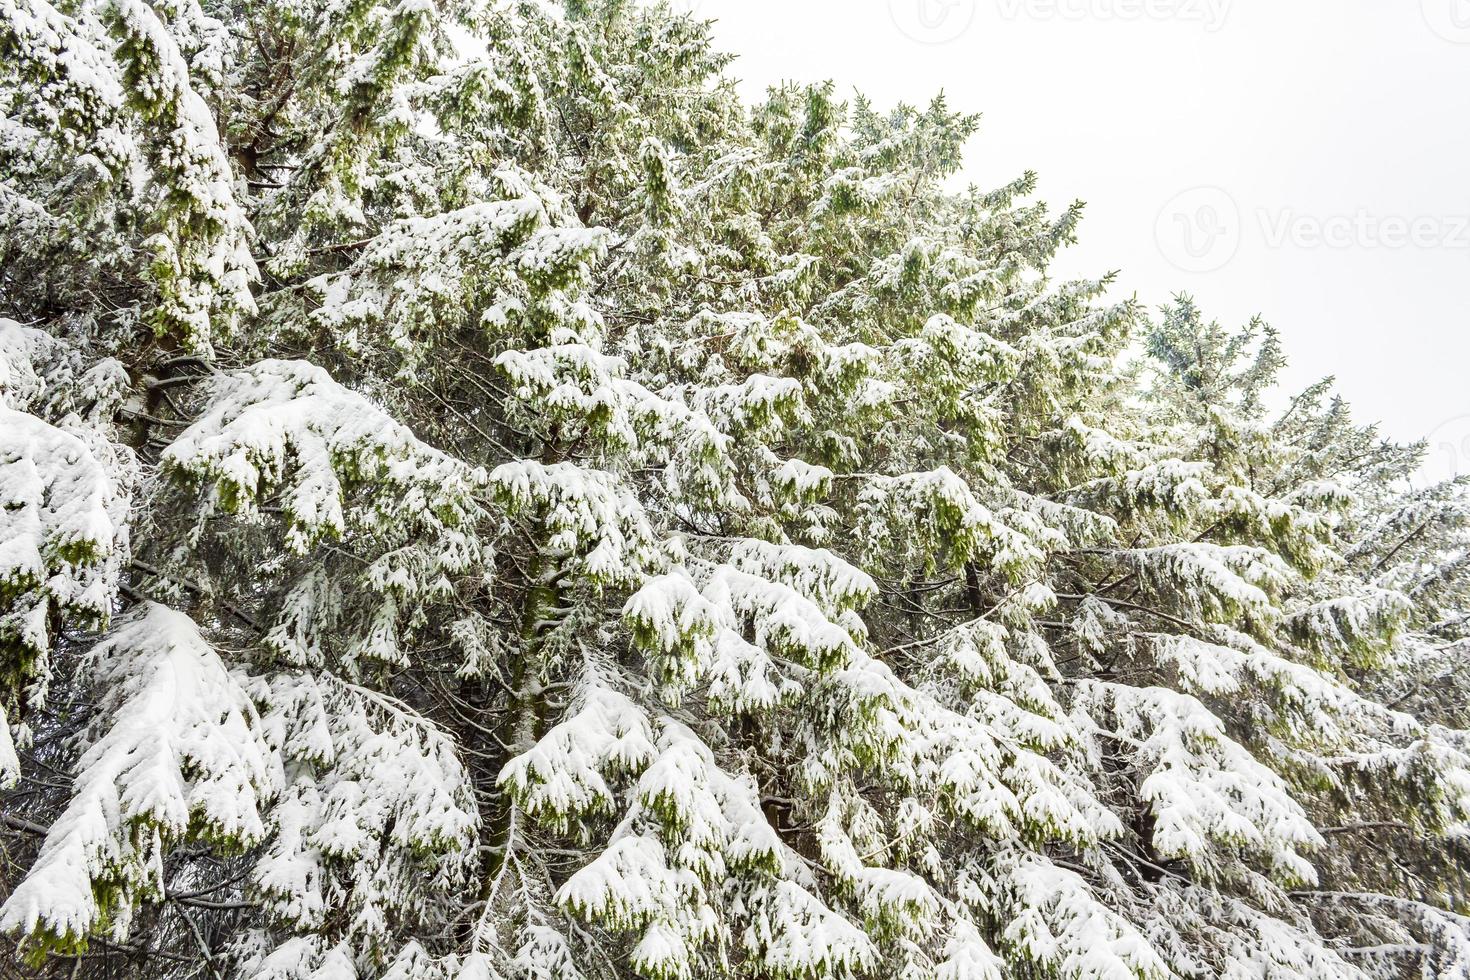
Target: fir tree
479 501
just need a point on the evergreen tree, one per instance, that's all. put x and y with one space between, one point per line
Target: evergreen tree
482 502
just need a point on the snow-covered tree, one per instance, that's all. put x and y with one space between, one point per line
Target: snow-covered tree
479 501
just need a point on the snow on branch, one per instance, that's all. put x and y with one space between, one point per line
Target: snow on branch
414 276
1306 703
1218 583
562 779
62 539
285 427
941 512
590 515
1052 920
576 388
176 750
201 259
377 806
1206 792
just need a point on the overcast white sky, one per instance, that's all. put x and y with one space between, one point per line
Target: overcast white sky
1301 159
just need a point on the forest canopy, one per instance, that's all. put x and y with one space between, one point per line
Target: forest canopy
480 500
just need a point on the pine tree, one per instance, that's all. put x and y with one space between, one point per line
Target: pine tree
482 502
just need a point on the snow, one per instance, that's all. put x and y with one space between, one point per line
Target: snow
58 506
181 744
1173 484
409 280
968 957
661 953
1228 938
575 386
63 538
590 514
1360 627
816 574
980 765
286 426
802 479
759 404
742 678
9 762
792 935
25 353
1205 790
717 815
204 246
899 896
378 805
290 873
1058 923
1302 700
563 777
966 351
672 623
940 507
293 959
626 886
785 622
1216 581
